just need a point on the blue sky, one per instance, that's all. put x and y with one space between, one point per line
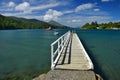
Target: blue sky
74 13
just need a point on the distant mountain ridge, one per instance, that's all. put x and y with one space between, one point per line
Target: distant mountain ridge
55 23
12 22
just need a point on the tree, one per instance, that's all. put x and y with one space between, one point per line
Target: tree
22 23
94 25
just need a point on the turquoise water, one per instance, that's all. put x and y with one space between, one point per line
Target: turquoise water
104 48
25 54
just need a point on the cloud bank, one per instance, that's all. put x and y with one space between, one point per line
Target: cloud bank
52 15
56 10
84 7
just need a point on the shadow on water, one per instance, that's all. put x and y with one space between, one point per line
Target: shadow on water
97 67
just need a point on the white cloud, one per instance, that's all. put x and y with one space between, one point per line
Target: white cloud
11 14
99 18
6 10
76 21
84 7
44 6
52 15
80 20
11 4
74 17
61 2
25 7
96 9
105 0
6 7
69 11
21 15
31 17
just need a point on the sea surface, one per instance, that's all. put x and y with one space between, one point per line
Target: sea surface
103 46
25 54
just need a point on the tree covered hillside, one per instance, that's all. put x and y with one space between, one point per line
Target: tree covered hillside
95 25
22 23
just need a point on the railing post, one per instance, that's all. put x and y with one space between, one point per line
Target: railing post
52 58
58 46
61 42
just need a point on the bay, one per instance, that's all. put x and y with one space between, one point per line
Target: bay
103 46
25 54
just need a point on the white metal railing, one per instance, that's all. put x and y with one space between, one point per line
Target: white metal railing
85 53
57 48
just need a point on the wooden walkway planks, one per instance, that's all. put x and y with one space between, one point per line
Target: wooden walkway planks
73 64
73 56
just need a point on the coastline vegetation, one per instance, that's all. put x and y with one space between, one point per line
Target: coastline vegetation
95 25
22 23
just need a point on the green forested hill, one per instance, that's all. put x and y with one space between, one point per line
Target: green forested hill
95 25
22 23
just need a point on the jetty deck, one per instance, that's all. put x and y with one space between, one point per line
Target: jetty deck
74 56
69 60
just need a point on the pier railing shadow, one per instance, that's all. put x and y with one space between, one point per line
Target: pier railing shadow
67 51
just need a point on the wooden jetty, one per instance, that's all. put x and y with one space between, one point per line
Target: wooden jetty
69 60
74 56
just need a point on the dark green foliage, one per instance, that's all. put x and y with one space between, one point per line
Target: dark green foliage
95 25
21 23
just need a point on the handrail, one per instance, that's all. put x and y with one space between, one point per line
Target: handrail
85 53
59 45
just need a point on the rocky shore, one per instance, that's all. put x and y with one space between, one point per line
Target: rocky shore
67 75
